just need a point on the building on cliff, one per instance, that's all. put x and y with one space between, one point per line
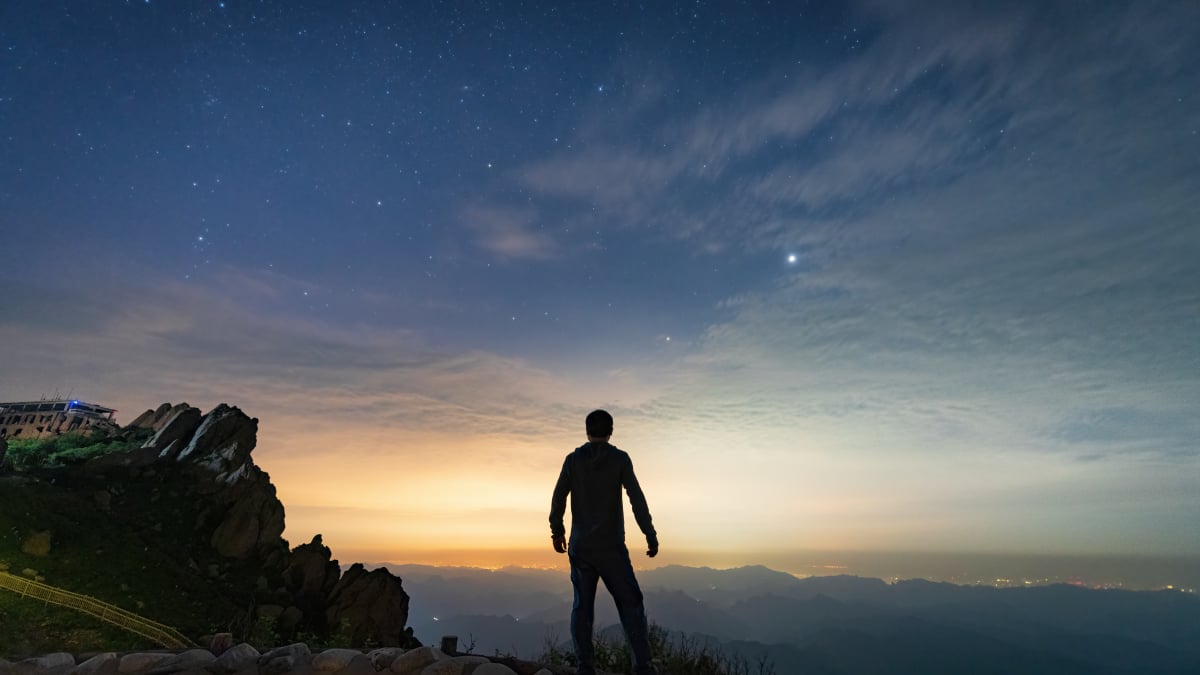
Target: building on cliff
37 419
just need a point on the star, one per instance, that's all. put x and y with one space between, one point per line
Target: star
791 258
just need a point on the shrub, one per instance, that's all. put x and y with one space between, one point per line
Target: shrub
56 451
679 655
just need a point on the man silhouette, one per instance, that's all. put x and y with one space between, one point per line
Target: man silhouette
593 475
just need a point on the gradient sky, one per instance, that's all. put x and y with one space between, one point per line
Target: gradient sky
849 277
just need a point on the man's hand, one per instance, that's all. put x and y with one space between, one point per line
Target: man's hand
560 544
652 549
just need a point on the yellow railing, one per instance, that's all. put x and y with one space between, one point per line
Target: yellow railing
164 635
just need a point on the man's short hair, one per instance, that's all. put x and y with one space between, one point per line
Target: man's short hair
599 424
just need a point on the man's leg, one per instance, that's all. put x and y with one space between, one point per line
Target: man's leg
617 572
583 578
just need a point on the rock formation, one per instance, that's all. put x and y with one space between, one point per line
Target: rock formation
310 577
240 514
372 604
198 468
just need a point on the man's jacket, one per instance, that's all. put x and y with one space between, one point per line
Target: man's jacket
593 475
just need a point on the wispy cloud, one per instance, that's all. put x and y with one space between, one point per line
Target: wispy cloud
976 214
510 233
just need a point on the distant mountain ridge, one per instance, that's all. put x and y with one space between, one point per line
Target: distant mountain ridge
835 625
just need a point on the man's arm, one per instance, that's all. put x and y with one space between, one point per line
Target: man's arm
558 506
641 511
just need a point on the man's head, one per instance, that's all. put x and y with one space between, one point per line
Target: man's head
599 425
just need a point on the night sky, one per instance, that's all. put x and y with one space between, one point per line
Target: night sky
850 277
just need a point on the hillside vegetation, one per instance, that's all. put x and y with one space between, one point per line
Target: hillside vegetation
70 541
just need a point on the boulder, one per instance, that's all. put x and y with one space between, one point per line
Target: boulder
188 660
447 667
359 665
100 664
333 660
139 661
373 604
493 669
49 663
382 659
239 657
284 659
414 661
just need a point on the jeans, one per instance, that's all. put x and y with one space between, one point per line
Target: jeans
615 568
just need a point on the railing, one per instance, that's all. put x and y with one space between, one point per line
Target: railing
164 635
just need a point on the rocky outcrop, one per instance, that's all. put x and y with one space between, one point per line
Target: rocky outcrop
312 571
190 490
151 419
240 512
373 604
221 443
176 429
311 576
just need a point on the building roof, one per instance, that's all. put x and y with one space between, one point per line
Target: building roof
57 405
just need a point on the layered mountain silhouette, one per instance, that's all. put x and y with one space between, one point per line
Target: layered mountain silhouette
835 624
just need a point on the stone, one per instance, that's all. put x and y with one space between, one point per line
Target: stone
471 659
415 660
543 671
382 658
100 664
221 642
57 661
374 605
285 659
447 667
187 660
236 658
495 669
29 572
333 660
359 665
139 661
